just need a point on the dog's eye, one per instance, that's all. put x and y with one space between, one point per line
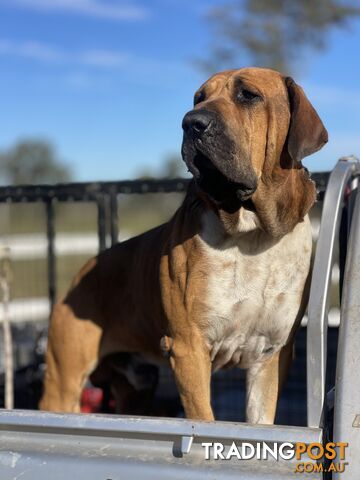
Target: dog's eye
199 97
247 96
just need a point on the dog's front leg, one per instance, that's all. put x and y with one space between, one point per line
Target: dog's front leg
263 385
190 361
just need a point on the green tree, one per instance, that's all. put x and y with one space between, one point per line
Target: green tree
273 33
32 161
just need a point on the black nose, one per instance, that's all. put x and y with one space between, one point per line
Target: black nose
197 121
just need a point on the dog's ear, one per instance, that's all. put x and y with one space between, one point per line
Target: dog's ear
287 192
307 133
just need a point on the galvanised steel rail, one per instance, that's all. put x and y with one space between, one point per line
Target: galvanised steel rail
44 446
340 180
347 392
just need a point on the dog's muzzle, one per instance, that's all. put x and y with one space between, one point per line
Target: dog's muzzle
209 155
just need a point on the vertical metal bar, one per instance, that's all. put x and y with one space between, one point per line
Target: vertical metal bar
114 229
343 241
319 292
5 279
345 227
354 188
347 392
50 232
101 206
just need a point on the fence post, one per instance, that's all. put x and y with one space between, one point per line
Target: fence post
5 278
114 229
50 233
101 206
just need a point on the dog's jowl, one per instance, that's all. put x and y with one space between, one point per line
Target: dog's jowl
224 282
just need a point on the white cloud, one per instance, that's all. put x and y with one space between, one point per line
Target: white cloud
103 58
31 49
91 8
53 55
78 67
140 70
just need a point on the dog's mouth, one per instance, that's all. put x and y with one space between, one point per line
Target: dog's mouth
226 193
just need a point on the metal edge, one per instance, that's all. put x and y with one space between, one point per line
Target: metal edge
319 291
114 425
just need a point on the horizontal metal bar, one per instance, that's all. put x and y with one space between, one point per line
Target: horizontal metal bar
90 191
82 191
105 425
39 445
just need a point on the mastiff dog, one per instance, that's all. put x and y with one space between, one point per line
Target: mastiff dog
224 282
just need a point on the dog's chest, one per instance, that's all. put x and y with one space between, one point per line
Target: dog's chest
252 294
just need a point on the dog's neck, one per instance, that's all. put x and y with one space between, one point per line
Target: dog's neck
283 200
280 204
236 223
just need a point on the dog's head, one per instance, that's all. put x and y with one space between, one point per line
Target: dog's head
244 142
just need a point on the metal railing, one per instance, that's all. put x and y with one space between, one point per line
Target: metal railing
48 445
347 393
340 179
104 194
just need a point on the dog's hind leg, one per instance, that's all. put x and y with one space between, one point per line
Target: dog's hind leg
72 354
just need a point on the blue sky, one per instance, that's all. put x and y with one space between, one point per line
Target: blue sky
108 82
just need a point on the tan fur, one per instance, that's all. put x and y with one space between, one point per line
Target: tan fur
185 290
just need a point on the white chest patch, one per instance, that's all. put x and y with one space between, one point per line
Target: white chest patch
254 291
